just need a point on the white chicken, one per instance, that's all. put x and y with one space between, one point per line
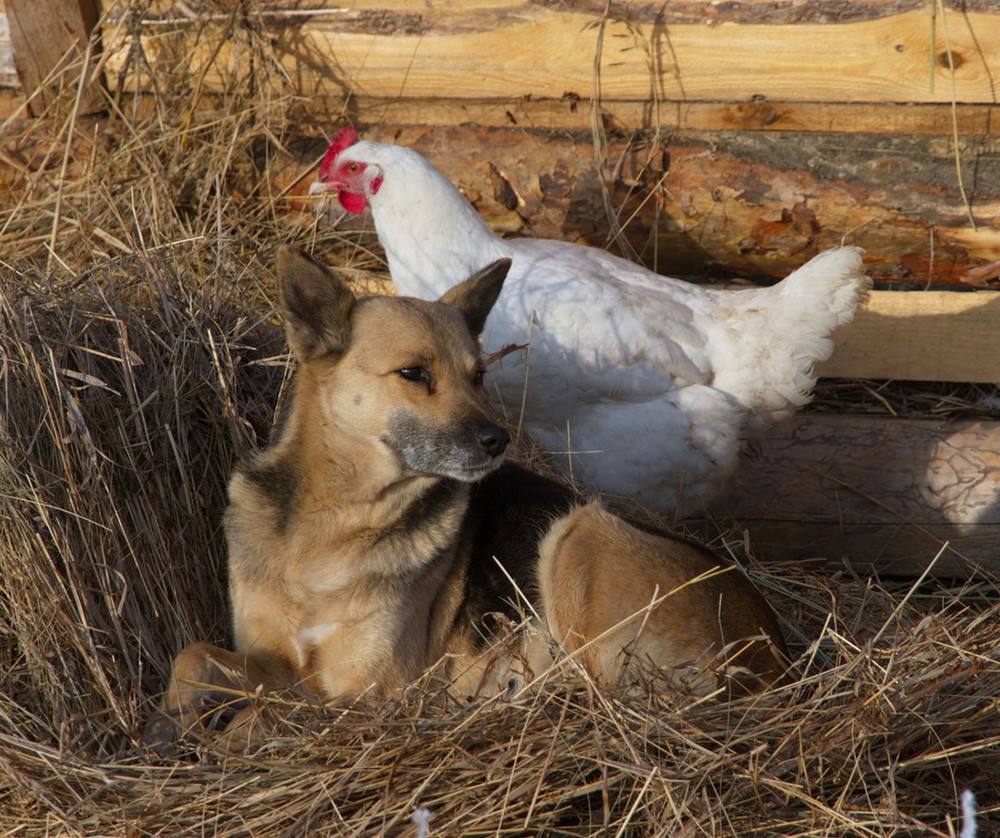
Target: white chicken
640 386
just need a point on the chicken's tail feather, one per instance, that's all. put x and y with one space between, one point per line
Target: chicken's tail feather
787 332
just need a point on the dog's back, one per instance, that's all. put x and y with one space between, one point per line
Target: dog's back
657 597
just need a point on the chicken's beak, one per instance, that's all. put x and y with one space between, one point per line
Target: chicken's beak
317 187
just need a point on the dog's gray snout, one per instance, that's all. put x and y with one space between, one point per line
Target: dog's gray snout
493 439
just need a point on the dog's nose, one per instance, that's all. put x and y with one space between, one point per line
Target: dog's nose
493 439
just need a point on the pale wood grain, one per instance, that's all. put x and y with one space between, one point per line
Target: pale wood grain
921 336
473 51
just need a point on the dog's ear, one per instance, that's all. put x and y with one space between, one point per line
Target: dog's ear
318 304
476 296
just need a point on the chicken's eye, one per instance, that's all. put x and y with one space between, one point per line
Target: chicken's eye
477 377
354 168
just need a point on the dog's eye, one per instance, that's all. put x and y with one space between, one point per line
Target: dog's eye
416 374
477 378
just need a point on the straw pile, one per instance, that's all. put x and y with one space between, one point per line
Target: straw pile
140 356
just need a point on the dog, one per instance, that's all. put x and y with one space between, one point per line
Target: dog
381 534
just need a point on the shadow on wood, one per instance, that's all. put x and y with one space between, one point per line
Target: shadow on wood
921 336
881 494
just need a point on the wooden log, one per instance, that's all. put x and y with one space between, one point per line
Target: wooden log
50 40
727 204
917 336
504 50
880 494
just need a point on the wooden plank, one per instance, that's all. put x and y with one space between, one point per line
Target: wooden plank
921 336
526 49
884 494
50 39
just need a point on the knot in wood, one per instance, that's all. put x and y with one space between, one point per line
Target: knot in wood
950 60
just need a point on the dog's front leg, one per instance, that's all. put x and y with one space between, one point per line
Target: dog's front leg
204 677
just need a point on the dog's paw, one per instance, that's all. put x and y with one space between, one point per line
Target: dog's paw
163 733
247 731
515 684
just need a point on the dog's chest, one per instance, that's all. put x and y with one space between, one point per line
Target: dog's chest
374 552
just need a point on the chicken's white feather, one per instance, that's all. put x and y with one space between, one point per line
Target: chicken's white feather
640 385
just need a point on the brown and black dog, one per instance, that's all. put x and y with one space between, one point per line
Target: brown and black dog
379 534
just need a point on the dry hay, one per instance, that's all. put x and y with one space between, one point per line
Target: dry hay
140 357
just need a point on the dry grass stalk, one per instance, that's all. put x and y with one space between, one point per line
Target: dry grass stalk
140 356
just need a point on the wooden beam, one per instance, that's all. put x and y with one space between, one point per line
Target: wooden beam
487 50
876 493
921 336
50 40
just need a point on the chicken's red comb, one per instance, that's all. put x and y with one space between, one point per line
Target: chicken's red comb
345 138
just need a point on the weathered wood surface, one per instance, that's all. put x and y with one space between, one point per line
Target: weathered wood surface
516 49
719 204
50 40
874 492
921 336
